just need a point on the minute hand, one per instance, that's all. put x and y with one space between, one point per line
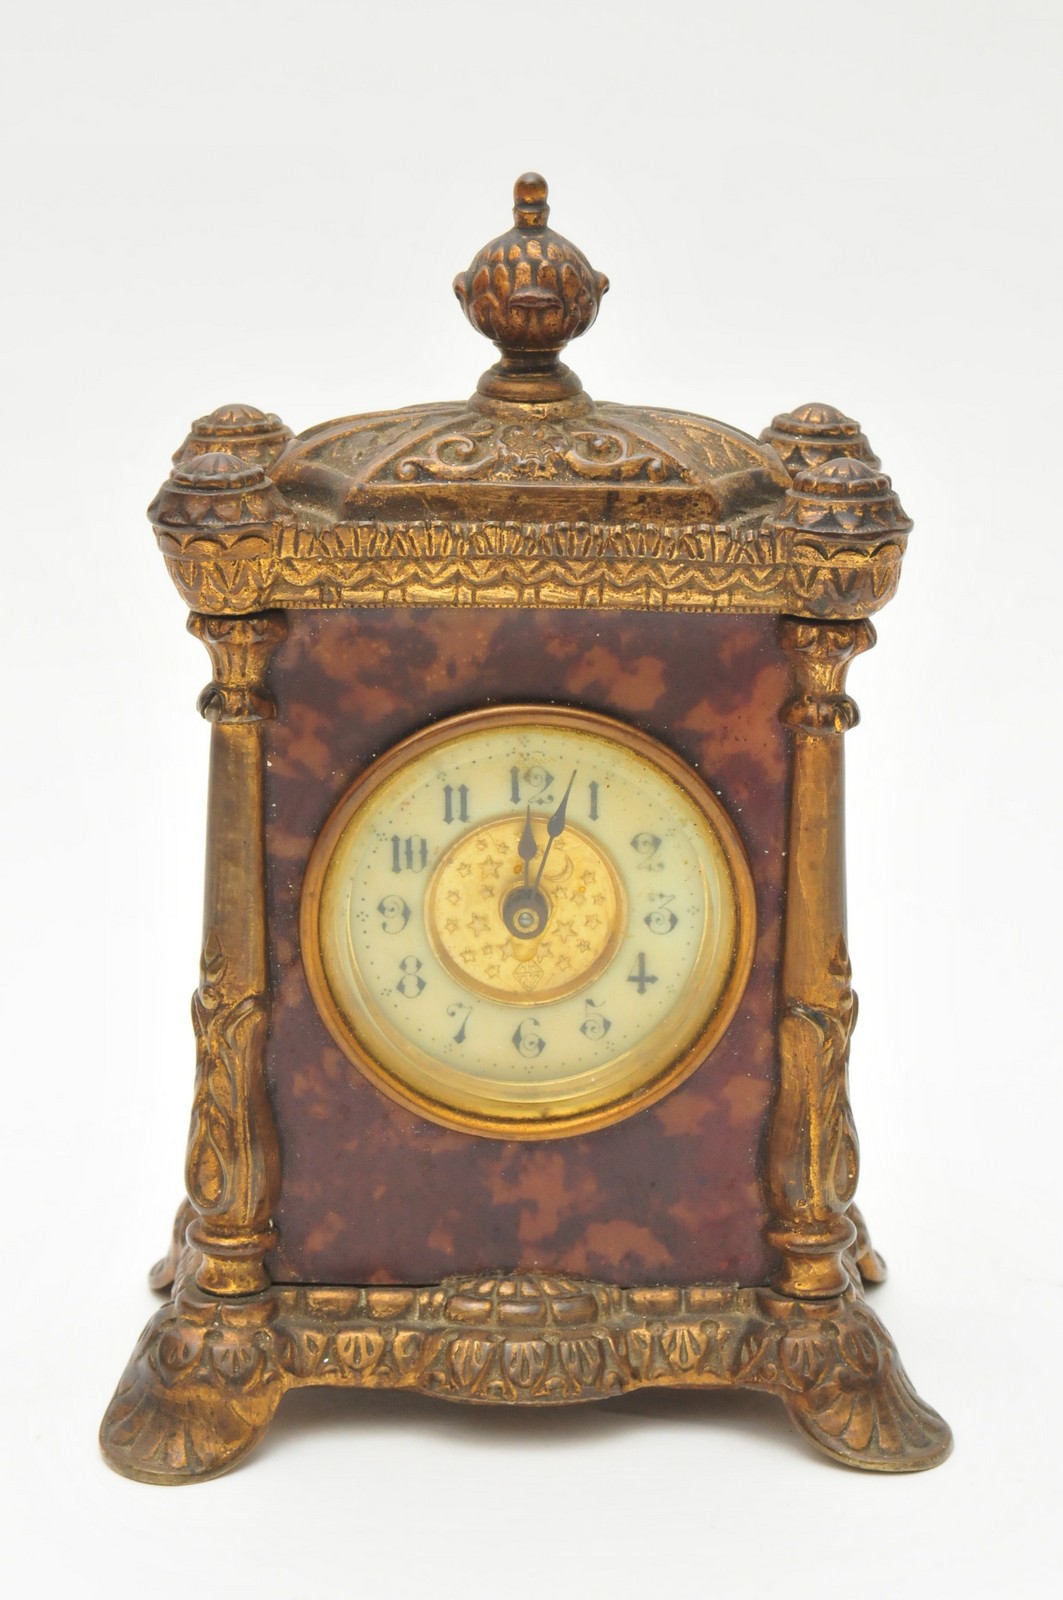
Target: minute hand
554 828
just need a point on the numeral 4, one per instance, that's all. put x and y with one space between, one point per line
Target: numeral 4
640 976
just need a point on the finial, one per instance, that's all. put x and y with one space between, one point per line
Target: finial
530 209
531 291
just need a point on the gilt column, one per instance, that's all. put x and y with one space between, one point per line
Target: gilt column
232 1168
841 510
218 504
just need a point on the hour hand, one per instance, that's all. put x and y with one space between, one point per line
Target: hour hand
525 909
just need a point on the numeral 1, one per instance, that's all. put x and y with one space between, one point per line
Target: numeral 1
594 801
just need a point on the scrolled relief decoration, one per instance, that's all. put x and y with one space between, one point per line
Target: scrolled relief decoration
814 1042
536 450
229 1033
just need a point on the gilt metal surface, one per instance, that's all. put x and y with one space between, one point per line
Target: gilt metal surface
527 495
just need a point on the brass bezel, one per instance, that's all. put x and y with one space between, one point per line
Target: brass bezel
633 1097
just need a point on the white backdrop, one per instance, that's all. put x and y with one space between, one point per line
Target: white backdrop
214 201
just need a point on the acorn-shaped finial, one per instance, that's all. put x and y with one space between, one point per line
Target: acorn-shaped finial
531 291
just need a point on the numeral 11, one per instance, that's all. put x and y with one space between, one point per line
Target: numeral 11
460 811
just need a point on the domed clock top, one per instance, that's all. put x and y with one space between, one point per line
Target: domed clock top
530 490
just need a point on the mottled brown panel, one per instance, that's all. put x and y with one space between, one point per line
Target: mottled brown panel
372 1193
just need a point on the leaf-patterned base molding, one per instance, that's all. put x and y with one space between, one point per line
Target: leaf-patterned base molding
207 1374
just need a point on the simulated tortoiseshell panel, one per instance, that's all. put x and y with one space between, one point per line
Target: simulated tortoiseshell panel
371 1193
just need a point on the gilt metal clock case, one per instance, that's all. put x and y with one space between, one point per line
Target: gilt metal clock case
523 1020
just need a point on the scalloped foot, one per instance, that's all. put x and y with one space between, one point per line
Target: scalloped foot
852 1398
194 1399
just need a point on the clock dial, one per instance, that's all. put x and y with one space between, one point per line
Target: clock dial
528 921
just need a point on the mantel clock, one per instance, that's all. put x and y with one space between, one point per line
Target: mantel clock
523 1020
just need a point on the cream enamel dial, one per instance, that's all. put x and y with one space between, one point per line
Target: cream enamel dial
527 921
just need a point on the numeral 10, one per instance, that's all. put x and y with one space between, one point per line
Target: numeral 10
409 854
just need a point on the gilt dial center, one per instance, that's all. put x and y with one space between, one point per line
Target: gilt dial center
524 942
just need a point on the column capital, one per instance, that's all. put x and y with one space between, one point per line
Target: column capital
240 651
821 653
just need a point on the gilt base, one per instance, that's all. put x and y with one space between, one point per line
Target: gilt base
209 1372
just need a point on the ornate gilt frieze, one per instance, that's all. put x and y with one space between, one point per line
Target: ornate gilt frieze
588 565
